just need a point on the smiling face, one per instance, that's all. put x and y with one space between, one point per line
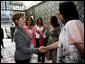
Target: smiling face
39 21
19 19
22 21
60 16
29 21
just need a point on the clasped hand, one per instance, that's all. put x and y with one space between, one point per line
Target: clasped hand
42 49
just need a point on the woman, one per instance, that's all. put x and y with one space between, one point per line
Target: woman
70 47
40 29
54 34
30 30
22 40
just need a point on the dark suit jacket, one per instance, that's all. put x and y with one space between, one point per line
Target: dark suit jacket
22 44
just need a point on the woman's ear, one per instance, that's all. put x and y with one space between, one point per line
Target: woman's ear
16 21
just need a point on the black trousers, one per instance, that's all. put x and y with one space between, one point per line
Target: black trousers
12 36
22 61
41 55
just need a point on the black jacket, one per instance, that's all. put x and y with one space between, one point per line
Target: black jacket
1 34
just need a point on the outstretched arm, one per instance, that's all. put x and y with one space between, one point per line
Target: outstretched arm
52 46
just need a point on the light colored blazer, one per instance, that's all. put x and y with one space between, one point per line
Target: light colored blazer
22 44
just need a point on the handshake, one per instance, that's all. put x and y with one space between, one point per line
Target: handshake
42 49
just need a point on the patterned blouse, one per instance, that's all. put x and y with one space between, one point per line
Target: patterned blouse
67 53
53 37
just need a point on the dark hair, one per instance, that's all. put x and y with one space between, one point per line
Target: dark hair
68 10
41 21
27 20
16 16
54 21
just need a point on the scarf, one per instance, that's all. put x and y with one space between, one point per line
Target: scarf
41 41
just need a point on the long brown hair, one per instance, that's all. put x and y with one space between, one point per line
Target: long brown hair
41 21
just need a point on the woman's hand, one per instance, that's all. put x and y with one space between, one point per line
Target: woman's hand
42 49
